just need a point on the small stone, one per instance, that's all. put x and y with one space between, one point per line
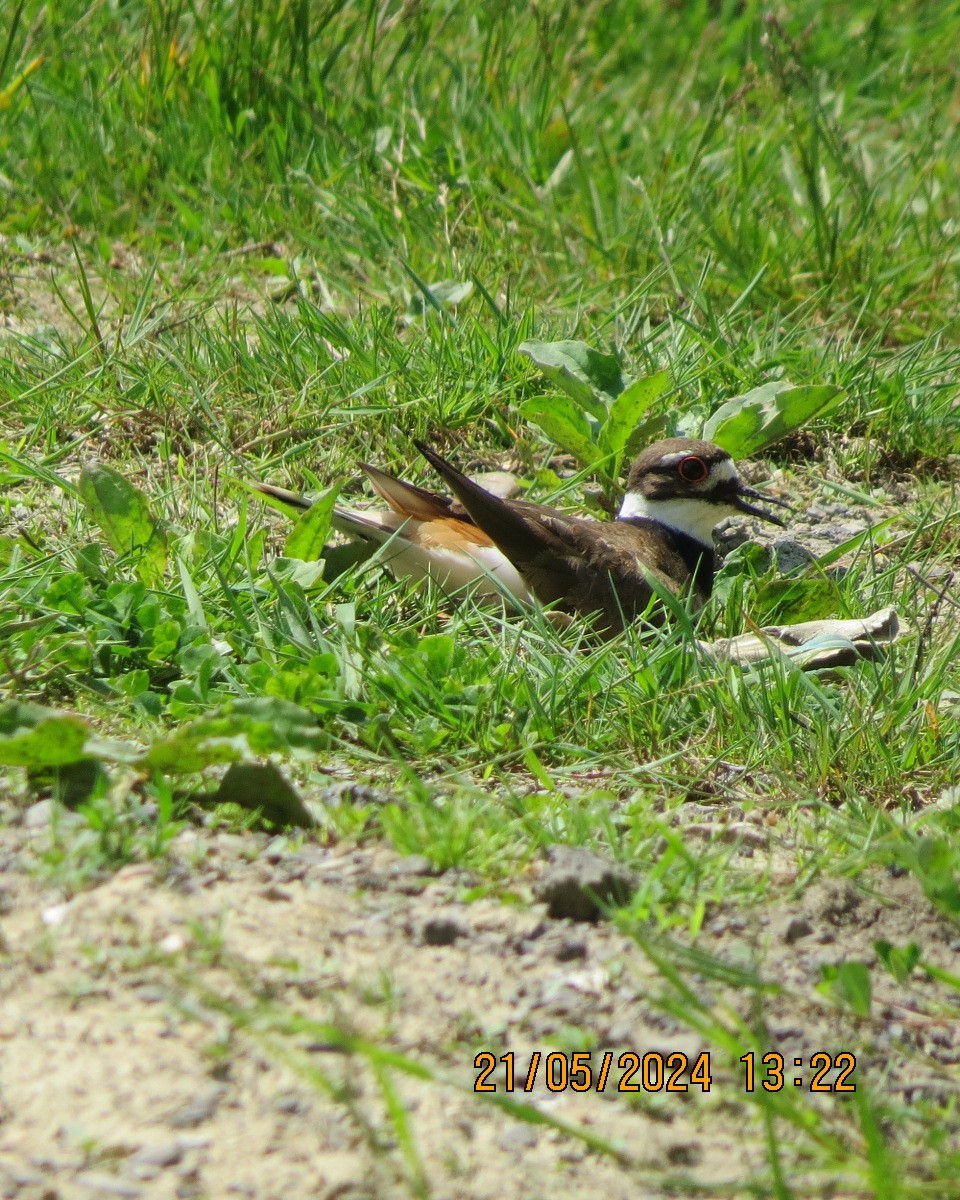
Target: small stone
577 882
684 1154
443 930
620 1033
290 1104
746 834
54 915
517 1138
273 891
42 814
799 927
164 1154
198 1110
149 993
109 1185
571 949
412 864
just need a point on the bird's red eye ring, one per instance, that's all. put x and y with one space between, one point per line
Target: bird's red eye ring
693 469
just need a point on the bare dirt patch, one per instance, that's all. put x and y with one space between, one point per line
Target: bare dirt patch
120 1077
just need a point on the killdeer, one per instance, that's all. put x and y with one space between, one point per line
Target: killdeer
678 490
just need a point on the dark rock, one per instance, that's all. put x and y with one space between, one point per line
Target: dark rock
684 1154
745 833
443 930
798 928
840 901
577 883
273 891
571 949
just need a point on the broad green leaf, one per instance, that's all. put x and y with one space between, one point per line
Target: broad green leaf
122 512
34 736
938 868
243 729
308 537
295 570
207 743
850 982
627 409
747 423
561 420
341 558
579 370
262 786
899 960
646 432
788 601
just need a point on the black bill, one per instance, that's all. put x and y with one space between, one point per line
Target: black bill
745 494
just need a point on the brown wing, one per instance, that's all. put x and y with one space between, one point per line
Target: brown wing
582 566
613 568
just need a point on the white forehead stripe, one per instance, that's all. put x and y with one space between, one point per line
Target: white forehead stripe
724 470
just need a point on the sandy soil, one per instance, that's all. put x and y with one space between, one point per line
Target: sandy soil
121 1078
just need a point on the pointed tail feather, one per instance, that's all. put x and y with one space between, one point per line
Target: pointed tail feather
377 527
373 526
290 499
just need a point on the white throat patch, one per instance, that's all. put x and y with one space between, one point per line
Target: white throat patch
685 514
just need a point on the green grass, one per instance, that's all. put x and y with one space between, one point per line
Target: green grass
694 186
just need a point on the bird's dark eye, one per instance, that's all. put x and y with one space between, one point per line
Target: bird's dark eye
693 469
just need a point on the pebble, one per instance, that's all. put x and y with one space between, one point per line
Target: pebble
42 814
798 928
684 1154
576 882
748 835
273 891
290 1104
164 1154
571 949
109 1185
517 1138
198 1110
443 930
791 555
